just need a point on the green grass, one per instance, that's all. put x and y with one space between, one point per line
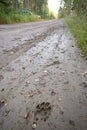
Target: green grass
14 16
9 15
78 26
17 18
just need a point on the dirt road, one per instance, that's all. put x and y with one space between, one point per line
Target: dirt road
43 78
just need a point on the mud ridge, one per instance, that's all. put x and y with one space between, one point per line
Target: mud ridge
18 50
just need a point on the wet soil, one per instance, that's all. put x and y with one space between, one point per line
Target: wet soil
43 78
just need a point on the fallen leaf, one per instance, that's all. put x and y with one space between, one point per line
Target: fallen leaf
14 78
26 115
37 119
23 68
54 63
2 89
30 94
71 122
3 102
85 72
6 104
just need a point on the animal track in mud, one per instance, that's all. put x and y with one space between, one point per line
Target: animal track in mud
43 111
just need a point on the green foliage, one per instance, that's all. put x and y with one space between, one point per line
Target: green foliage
79 6
5 2
2 8
13 16
78 26
9 10
61 13
39 7
47 16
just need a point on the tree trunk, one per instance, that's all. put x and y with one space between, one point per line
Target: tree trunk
26 4
15 4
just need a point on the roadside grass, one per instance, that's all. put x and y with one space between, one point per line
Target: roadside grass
22 18
14 16
10 15
78 26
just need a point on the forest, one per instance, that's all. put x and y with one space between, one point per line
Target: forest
23 10
78 7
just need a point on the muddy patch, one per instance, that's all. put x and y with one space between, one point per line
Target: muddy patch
18 50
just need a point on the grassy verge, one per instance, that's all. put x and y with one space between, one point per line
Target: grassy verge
17 18
14 16
78 26
10 15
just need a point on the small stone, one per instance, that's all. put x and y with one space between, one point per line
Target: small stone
11 52
45 71
28 82
36 80
34 125
59 99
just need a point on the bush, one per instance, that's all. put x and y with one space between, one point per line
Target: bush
62 13
14 16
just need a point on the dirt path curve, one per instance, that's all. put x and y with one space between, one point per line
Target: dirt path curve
43 78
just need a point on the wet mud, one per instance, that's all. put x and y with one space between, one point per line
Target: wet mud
43 79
